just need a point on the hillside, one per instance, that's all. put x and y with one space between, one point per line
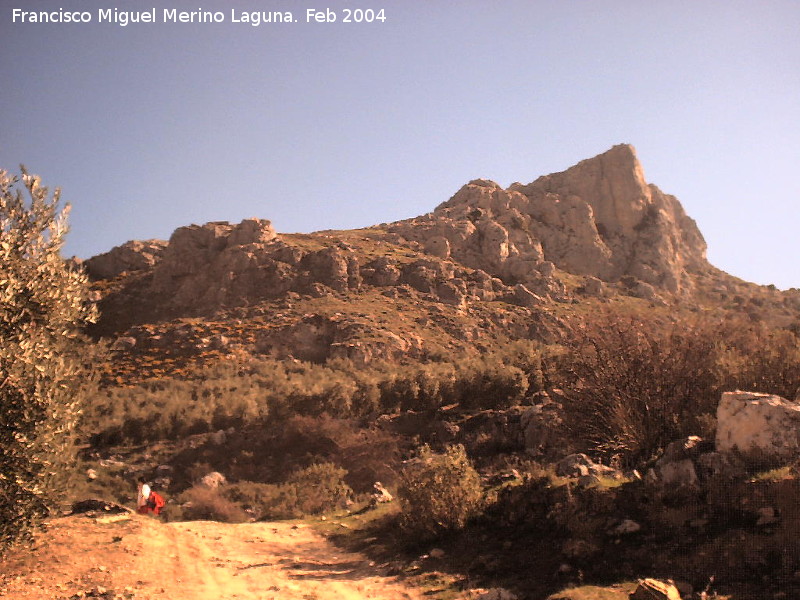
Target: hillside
567 335
485 267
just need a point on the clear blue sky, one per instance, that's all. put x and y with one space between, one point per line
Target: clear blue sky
332 125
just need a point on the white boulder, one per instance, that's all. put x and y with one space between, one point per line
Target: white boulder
758 426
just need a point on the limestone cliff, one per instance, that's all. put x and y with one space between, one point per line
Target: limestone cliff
599 218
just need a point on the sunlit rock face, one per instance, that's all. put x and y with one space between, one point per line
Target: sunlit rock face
760 427
599 218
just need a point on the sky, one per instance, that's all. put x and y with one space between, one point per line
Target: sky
332 125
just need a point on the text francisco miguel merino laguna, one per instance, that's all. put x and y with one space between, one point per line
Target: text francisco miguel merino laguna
173 15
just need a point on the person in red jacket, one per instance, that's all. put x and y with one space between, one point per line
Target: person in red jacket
148 501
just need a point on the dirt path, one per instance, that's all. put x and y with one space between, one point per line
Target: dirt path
140 559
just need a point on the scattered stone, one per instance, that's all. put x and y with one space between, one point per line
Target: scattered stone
213 480
654 589
580 465
436 553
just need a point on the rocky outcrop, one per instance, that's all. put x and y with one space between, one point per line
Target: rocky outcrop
213 264
758 427
130 256
317 338
599 218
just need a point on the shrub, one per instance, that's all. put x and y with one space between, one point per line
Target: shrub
203 503
314 490
439 492
634 386
494 386
43 305
320 488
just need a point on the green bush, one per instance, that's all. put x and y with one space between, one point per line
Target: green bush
439 492
43 305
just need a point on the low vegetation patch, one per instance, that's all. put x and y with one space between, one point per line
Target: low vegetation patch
439 492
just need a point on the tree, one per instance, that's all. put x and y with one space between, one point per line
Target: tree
44 303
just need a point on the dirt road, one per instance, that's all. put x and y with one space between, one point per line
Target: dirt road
140 558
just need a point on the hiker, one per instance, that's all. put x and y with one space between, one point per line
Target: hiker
148 501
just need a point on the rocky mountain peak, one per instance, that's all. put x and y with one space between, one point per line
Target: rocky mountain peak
612 184
598 218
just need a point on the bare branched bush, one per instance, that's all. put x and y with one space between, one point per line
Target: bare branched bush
633 386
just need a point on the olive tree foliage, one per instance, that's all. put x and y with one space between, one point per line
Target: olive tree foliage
43 306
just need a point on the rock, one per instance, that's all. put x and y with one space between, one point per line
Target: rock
91 474
219 437
626 527
251 231
593 287
677 473
213 480
380 494
437 553
654 589
577 549
676 468
759 427
542 428
494 594
716 465
598 218
438 246
688 447
130 256
95 505
580 465
124 343
524 297
645 291
450 293
767 516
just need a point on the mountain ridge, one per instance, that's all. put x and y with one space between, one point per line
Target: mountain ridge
487 265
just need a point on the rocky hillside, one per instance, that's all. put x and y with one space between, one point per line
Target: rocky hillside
291 364
488 265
